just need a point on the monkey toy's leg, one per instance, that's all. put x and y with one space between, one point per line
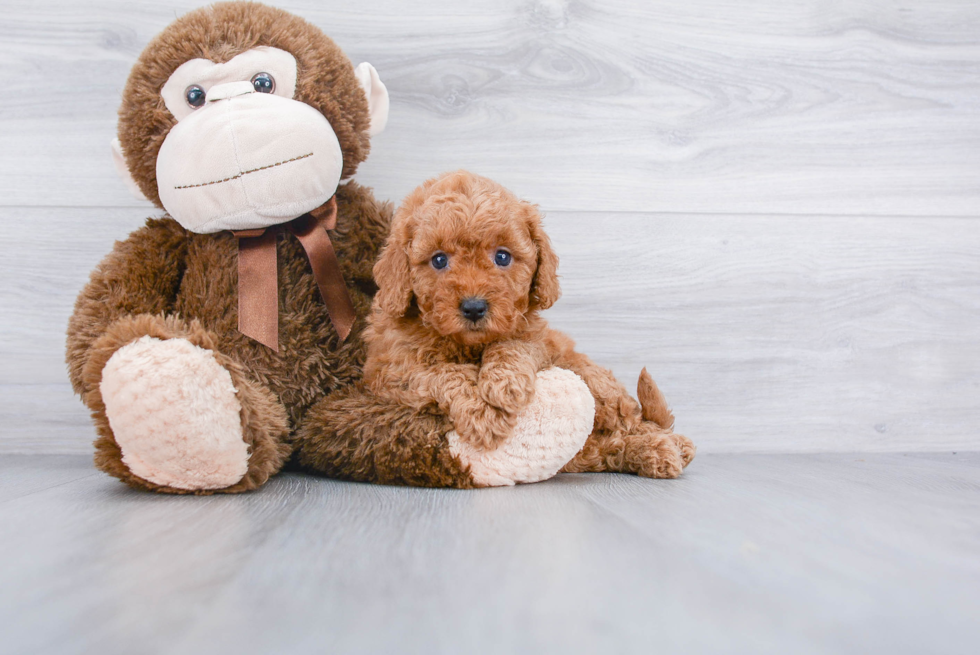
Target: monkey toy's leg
176 415
352 434
172 412
628 437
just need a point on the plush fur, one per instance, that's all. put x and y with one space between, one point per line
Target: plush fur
547 434
167 283
175 429
425 357
353 435
325 79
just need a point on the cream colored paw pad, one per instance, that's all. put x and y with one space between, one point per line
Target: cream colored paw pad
175 414
550 432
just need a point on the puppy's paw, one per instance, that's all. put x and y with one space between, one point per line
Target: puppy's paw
686 446
482 426
654 453
505 387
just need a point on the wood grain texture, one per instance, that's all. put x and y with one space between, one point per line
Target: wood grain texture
751 553
766 333
23 475
44 418
774 333
768 205
793 107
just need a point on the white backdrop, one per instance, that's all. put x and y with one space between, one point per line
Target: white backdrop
772 205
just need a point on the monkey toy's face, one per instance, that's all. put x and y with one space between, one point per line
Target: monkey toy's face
248 136
244 154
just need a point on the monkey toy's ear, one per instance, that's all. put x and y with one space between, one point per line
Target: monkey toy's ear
377 96
120 161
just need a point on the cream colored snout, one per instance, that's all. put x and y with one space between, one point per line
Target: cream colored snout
247 160
229 90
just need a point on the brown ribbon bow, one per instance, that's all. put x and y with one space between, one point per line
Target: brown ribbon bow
258 287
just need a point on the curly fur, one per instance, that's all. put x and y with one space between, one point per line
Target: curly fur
424 355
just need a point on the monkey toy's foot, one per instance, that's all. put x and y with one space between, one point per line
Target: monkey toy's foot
549 432
175 414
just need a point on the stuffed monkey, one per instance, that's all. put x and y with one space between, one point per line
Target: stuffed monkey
201 340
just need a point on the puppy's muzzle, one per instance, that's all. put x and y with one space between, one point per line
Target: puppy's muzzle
473 309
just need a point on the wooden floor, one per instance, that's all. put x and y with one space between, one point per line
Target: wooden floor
835 553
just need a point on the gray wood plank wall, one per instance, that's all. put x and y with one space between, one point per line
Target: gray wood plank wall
774 206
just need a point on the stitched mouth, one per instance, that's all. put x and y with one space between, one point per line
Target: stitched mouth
244 173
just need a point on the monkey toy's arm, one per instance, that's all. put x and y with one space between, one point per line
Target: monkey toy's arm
363 224
140 276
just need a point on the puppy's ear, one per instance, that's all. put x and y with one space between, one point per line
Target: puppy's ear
545 290
393 275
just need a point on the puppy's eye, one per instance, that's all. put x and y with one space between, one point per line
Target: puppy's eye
502 258
439 261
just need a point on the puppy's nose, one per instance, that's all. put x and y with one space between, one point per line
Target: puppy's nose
473 309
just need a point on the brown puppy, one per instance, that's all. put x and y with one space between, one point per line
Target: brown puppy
456 323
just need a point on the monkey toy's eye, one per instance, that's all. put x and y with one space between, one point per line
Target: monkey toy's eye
502 258
194 96
440 260
264 83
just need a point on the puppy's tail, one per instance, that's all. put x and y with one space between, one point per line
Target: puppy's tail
652 402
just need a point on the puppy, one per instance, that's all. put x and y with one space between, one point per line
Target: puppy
462 279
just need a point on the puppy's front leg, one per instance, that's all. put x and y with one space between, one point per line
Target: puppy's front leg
454 388
480 424
508 373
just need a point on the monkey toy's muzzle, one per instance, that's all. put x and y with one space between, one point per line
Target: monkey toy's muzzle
247 160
